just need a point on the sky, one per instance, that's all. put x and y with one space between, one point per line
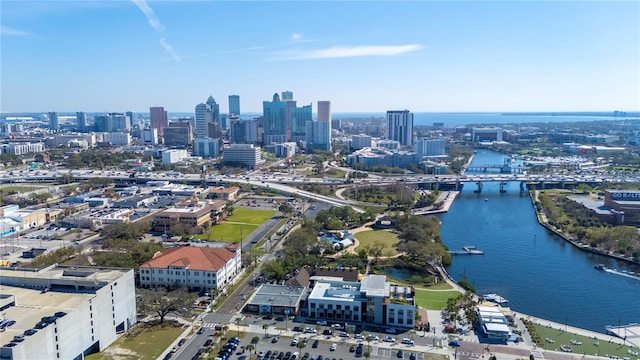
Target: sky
363 56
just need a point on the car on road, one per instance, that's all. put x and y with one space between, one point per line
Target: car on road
181 342
333 347
208 342
201 331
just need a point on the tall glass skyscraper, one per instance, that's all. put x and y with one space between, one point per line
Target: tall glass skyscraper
274 120
299 118
318 133
81 121
234 105
54 124
400 126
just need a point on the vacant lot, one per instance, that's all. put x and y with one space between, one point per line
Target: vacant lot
434 299
241 223
143 342
387 238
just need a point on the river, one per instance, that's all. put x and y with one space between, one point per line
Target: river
538 272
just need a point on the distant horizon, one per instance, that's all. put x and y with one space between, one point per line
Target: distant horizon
547 112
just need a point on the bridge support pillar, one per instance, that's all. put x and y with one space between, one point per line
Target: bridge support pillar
542 185
502 184
457 185
479 189
522 186
561 184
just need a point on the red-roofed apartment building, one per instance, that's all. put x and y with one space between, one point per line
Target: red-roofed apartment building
196 268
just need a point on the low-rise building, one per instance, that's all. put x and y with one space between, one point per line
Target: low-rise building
195 214
224 193
276 300
174 156
374 301
70 311
195 268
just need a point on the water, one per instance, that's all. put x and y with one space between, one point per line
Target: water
539 273
457 119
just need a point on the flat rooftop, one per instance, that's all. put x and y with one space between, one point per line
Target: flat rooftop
278 295
31 305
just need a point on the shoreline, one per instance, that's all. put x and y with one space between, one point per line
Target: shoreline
541 217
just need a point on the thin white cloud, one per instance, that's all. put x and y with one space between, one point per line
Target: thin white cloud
296 37
5 30
150 14
352 51
170 50
154 22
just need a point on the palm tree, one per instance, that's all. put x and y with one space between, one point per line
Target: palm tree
238 324
225 328
265 327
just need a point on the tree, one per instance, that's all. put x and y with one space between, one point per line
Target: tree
161 302
285 208
265 327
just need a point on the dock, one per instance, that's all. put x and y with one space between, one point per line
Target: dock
467 250
629 333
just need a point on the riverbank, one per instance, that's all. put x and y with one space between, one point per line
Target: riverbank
542 220
445 197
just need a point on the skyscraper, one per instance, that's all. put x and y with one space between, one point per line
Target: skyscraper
214 108
201 120
54 124
81 121
400 126
234 104
318 133
119 122
274 120
159 119
299 118
287 95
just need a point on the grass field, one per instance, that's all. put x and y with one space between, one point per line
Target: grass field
560 337
389 239
18 188
241 223
434 300
140 343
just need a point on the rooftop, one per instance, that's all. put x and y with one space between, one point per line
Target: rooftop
193 258
277 295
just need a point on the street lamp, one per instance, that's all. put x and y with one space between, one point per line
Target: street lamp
286 320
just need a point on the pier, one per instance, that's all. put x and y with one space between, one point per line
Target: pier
467 250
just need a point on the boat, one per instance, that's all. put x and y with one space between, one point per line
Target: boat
486 199
600 267
625 273
495 298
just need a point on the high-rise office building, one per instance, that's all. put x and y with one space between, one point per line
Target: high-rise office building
159 119
178 135
102 123
318 133
207 147
324 111
214 108
299 118
120 122
201 120
287 95
234 104
429 147
81 121
400 126
54 124
132 117
149 136
274 120
244 131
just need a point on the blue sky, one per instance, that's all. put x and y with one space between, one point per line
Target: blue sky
424 56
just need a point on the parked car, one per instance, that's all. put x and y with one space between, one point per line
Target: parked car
333 347
400 354
275 339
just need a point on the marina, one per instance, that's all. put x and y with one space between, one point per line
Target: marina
495 298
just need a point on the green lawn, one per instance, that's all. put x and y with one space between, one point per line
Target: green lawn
250 216
588 346
389 239
17 188
240 224
434 300
141 343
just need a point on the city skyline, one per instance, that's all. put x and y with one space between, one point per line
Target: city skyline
364 57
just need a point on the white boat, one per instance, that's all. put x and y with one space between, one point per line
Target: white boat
495 298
